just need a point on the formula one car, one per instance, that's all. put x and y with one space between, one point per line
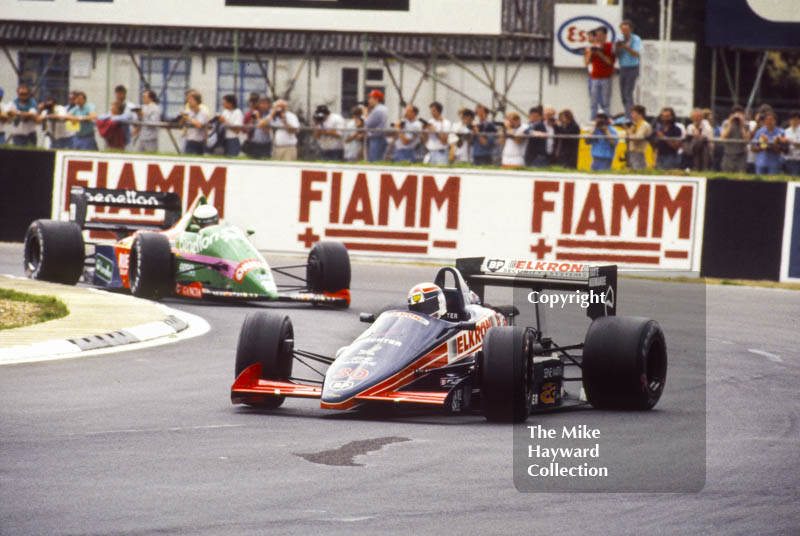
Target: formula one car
472 357
181 256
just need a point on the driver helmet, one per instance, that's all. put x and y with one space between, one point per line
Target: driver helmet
428 299
206 215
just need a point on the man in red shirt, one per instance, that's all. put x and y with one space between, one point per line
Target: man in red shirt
601 58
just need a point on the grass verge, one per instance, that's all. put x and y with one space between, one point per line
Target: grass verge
19 309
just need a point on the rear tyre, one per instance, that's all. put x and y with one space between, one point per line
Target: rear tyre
54 251
507 374
624 363
150 270
328 267
263 339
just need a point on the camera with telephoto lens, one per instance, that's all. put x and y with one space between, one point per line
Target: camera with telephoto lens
319 117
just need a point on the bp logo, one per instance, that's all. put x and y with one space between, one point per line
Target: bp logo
573 34
494 264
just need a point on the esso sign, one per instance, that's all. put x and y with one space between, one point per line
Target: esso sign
573 34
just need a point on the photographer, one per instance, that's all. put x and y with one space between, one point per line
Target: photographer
638 131
407 140
734 153
354 140
603 142
435 135
601 58
285 125
52 116
232 118
768 144
484 137
461 138
667 149
628 49
194 118
327 132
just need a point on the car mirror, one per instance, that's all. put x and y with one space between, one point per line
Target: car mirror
367 318
250 232
466 326
194 228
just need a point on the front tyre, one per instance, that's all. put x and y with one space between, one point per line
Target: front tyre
150 270
266 338
507 374
624 363
328 267
54 251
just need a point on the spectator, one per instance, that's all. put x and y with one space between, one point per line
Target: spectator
486 137
233 119
376 121
129 111
603 142
767 144
23 112
536 150
515 141
549 122
111 127
716 148
639 133
601 57
567 148
150 112
754 125
249 121
435 135
354 140
667 149
628 49
83 112
792 135
195 118
461 139
405 145
736 130
261 143
53 116
285 124
698 139
328 133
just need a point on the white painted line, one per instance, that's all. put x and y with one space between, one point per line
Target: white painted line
772 357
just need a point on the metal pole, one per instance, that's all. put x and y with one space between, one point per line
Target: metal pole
364 48
108 67
713 81
236 62
757 82
433 67
737 76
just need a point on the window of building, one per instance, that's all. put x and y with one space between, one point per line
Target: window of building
349 90
250 78
169 78
46 74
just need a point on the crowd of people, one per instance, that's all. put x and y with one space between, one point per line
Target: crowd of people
741 143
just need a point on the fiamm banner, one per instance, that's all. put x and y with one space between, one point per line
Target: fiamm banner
421 213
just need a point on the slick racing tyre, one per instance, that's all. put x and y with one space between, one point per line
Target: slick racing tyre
54 251
266 338
150 266
328 267
624 363
507 374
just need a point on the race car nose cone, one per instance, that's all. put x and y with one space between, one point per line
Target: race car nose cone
259 281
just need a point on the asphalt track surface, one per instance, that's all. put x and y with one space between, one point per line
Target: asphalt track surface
147 442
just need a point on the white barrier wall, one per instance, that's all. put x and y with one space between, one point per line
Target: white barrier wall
421 213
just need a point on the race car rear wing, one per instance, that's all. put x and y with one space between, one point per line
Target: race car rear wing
480 272
80 198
